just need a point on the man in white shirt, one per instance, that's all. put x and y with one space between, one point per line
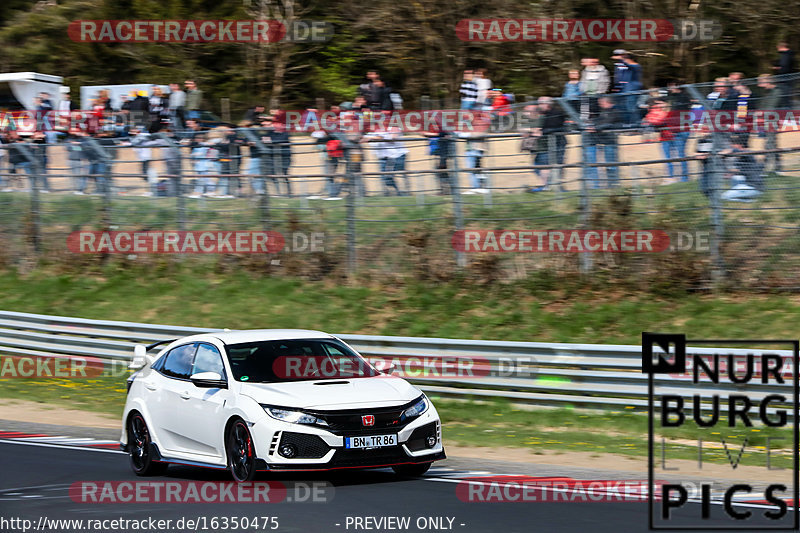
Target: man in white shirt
484 85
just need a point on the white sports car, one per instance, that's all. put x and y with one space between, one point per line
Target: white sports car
257 400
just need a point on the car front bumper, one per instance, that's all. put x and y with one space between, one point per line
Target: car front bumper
321 449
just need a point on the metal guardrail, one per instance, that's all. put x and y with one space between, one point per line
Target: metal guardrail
543 373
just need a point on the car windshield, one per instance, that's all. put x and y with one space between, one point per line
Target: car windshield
296 360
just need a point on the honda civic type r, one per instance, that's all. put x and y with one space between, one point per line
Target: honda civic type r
257 400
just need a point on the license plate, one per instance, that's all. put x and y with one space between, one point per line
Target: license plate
370 441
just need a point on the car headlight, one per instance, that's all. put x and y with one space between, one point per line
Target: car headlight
419 407
293 417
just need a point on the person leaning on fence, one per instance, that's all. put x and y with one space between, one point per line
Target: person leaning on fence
553 134
140 141
769 100
99 167
385 148
532 142
204 164
440 146
77 162
746 174
666 124
18 162
601 134
280 148
705 146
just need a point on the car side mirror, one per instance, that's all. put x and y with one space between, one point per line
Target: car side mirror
209 380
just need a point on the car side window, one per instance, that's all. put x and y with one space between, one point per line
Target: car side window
178 363
208 359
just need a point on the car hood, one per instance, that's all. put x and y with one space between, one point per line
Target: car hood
380 391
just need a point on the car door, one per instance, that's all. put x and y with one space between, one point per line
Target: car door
169 396
203 415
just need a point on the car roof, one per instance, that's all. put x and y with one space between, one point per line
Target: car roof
255 335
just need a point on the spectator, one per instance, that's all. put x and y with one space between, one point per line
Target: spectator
254 114
784 66
705 146
158 109
99 168
169 150
679 102
770 99
468 90
139 110
370 91
475 150
77 163
594 78
572 89
222 139
391 155
630 84
19 152
745 173
140 141
177 106
278 158
204 160
660 118
620 70
484 85
440 145
553 131
531 129
194 100
601 134
383 97
334 151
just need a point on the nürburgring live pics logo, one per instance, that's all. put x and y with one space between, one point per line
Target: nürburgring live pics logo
731 389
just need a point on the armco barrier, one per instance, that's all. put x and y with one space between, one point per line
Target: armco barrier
551 373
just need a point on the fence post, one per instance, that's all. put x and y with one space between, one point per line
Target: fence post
455 190
352 158
585 203
266 155
36 170
580 120
717 221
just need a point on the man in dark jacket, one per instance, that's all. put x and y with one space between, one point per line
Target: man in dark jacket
770 96
784 66
553 131
601 134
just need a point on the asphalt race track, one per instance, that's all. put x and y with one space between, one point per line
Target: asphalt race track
36 478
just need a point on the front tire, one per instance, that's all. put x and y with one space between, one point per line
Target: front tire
414 470
241 458
139 449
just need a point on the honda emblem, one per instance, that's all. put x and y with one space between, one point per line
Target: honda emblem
368 420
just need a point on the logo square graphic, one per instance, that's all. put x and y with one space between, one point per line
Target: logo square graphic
709 402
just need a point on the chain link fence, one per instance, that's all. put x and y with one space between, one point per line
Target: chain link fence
392 207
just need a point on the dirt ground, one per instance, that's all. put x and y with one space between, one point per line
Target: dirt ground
34 412
309 160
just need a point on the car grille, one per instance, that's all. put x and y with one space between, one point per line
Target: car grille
348 422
